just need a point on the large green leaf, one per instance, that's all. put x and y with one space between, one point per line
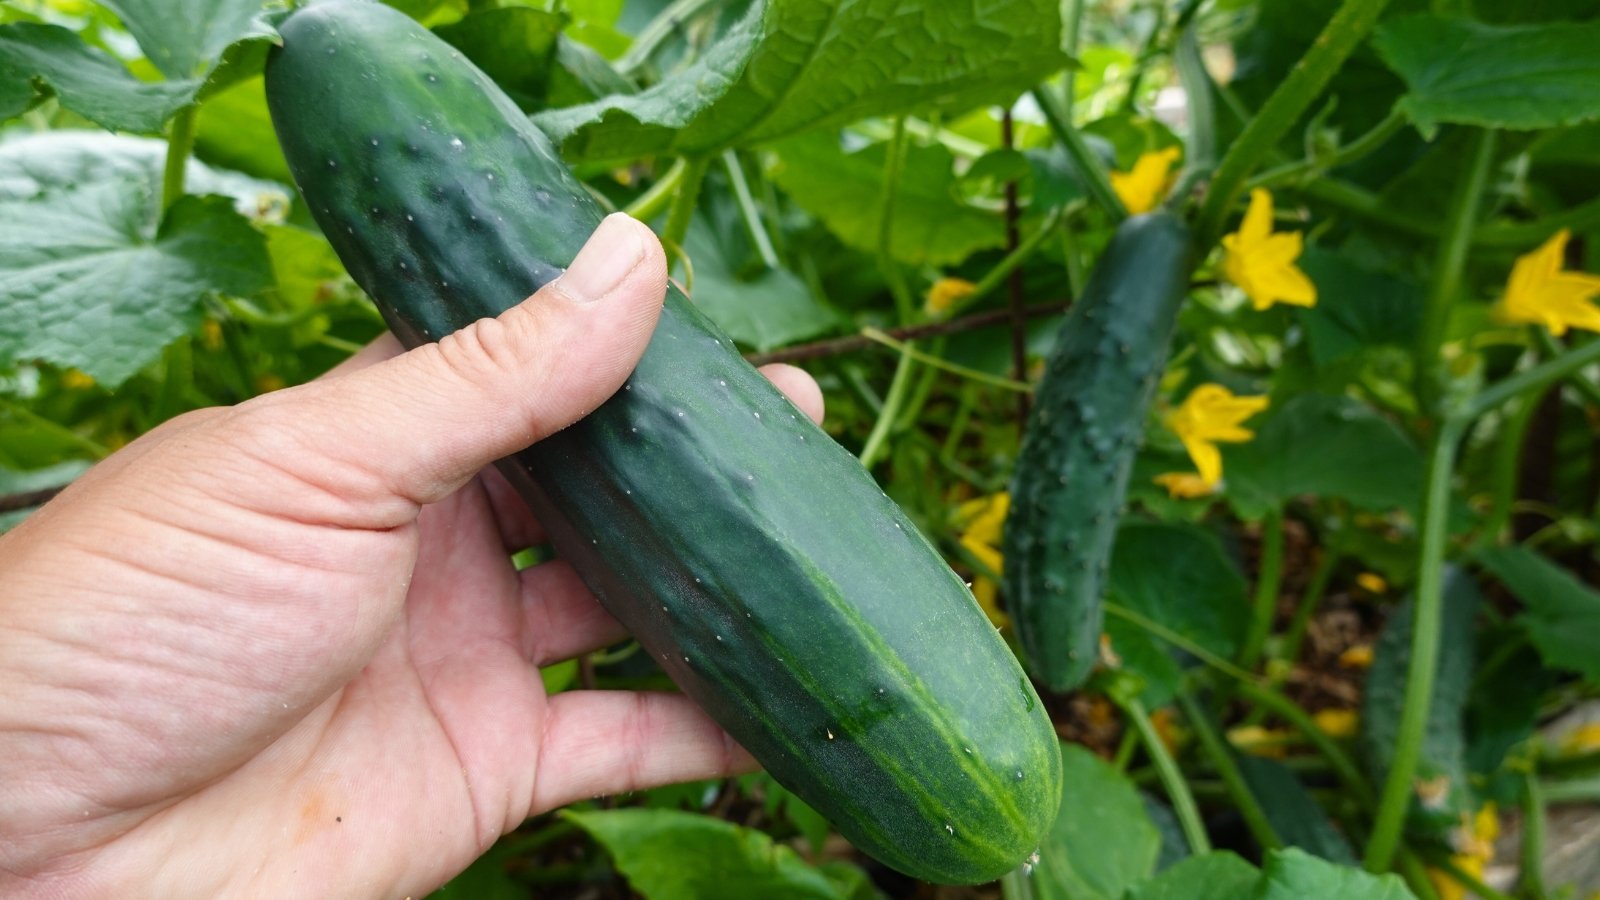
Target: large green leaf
1293 874
1178 577
182 37
1076 861
235 131
1563 613
36 163
514 45
1219 875
1294 814
1357 307
793 65
670 855
37 59
763 309
1332 446
87 279
931 223
1465 72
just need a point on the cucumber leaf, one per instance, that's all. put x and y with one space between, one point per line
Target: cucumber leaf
1333 446
1294 874
1297 818
1076 862
1220 875
789 66
1196 592
90 280
931 223
1563 615
1465 72
183 37
36 60
46 161
671 855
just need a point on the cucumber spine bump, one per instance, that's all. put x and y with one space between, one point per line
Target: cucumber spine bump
752 556
1085 430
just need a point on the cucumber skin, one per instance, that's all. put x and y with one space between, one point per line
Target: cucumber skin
718 524
1085 430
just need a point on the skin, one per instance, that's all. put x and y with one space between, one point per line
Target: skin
278 649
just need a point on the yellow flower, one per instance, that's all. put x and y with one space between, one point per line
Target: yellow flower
1262 263
981 521
76 380
1336 723
946 293
1271 743
1540 293
1372 582
1185 485
211 334
1473 842
1357 657
1209 416
1142 189
1583 739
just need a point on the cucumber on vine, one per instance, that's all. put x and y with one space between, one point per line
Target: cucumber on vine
753 557
1086 427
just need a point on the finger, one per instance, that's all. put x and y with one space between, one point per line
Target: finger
518 528
799 386
416 427
611 742
561 618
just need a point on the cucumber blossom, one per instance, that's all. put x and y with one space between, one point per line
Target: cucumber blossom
1087 422
753 557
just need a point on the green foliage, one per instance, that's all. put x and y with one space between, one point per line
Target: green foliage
1520 77
796 65
85 79
1214 876
1076 861
669 855
1295 815
1179 577
1294 874
1563 613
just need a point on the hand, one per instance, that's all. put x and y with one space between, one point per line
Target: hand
279 649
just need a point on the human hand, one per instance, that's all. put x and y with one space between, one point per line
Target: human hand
279 649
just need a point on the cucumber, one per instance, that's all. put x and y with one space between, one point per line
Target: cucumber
753 557
1086 427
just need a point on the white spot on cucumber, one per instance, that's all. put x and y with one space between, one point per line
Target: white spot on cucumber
456 143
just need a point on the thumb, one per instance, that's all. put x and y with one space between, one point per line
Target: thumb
418 426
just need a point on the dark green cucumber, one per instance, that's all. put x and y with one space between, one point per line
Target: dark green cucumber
1088 419
752 556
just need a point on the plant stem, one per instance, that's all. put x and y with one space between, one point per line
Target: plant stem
1580 790
1507 468
1177 640
1221 756
1183 805
1292 713
684 201
1083 159
1447 269
852 343
652 202
908 349
1531 878
1416 875
1009 263
1343 33
1269 582
1552 348
179 142
1534 379
1423 663
1359 148
877 439
660 28
747 207
1202 147
1071 30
